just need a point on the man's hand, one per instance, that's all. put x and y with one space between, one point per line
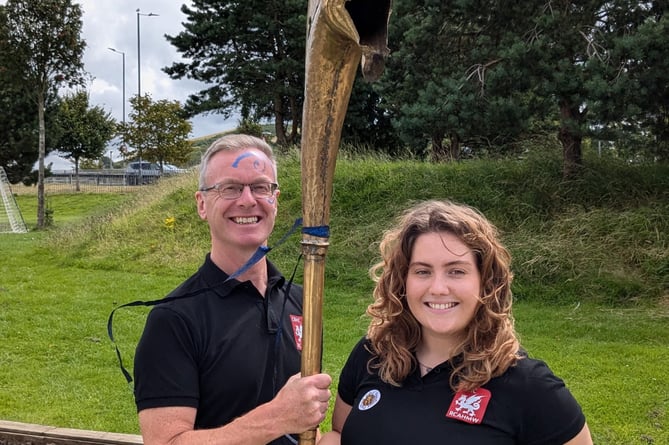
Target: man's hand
302 402
299 406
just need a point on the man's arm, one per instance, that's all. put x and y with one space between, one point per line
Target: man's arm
299 406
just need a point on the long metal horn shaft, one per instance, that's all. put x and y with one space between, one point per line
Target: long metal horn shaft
340 34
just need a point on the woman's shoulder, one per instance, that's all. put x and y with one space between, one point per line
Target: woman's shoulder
541 400
362 350
528 374
359 356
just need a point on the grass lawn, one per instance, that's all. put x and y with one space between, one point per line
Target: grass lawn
58 367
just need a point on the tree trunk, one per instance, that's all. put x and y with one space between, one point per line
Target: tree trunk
279 127
437 143
76 174
454 148
570 137
41 221
440 153
296 115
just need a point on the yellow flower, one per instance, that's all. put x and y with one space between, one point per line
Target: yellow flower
169 222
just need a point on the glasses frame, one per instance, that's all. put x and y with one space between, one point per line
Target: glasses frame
273 187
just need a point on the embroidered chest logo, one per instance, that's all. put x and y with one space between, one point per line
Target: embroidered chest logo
469 406
296 321
370 399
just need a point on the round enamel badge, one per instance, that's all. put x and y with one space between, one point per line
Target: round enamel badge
370 399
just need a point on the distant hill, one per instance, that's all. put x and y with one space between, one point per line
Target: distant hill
201 143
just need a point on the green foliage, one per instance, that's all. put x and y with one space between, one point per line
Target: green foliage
44 39
251 55
84 131
247 126
158 130
18 141
447 84
18 144
639 90
19 138
46 44
458 78
367 122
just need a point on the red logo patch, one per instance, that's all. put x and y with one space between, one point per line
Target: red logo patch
296 321
469 406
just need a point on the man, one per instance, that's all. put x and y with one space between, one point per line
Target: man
219 362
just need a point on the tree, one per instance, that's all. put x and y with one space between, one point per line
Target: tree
631 101
441 50
84 131
251 54
589 56
18 119
44 37
368 121
19 137
159 128
468 70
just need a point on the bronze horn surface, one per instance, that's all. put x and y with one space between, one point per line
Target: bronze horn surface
341 35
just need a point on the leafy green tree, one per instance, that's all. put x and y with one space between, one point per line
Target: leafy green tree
44 37
158 131
247 126
18 119
84 131
251 56
588 56
18 139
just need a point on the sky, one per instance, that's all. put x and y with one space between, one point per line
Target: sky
113 24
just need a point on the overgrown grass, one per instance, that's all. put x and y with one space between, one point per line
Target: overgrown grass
590 257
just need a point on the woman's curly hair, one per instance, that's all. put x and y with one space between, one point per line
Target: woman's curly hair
491 345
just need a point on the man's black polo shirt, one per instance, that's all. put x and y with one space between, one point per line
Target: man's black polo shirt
217 351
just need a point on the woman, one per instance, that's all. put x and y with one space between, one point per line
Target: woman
441 362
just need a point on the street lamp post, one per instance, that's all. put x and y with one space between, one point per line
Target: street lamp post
123 117
139 82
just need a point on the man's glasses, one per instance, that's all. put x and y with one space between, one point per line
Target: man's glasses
229 190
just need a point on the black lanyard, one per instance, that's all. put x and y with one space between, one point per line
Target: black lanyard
257 256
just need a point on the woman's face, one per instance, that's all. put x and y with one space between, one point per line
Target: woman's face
443 286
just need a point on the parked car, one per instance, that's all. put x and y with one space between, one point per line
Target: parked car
172 169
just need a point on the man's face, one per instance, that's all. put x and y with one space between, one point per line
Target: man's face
246 222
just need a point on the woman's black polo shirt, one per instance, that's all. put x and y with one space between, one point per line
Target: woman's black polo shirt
526 405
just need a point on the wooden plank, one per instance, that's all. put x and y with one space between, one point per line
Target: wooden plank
17 433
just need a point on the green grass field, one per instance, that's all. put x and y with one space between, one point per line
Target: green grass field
591 262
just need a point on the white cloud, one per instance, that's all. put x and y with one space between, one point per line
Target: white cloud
113 24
